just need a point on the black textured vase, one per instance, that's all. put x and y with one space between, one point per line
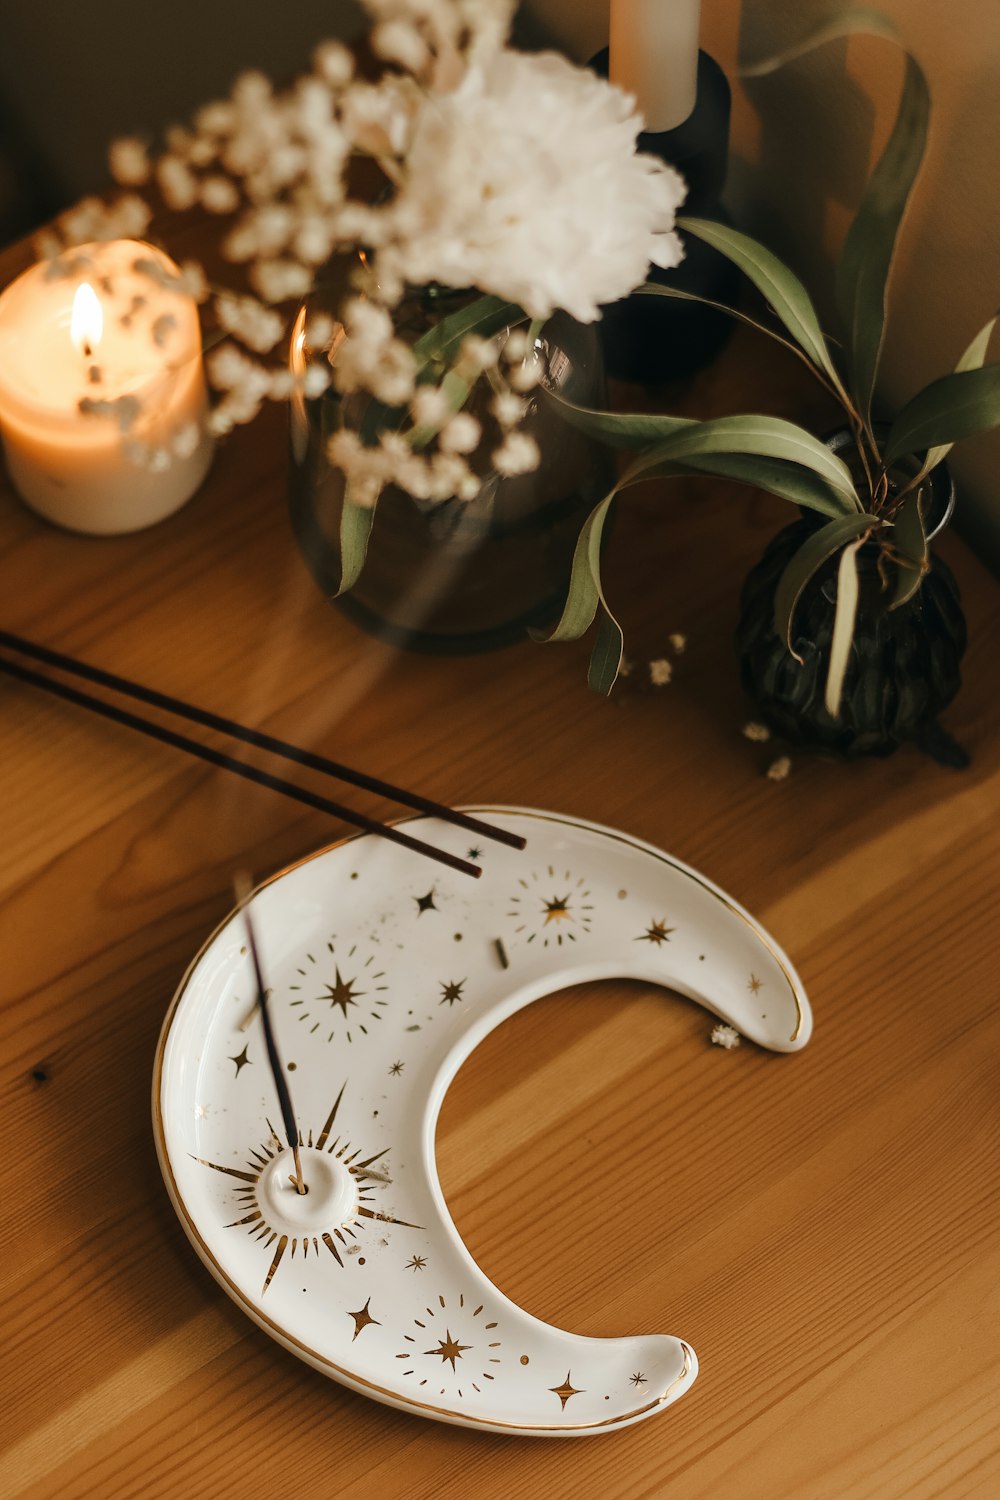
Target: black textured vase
904 663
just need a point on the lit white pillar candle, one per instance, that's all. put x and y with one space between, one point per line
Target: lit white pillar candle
102 388
654 55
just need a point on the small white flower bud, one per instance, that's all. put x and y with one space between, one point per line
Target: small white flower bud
129 162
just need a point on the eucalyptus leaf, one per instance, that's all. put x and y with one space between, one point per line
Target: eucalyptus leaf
866 262
685 440
781 288
486 316
972 359
654 289
807 561
843 626
910 546
456 391
786 480
606 657
355 529
633 430
765 437
846 22
953 407
584 593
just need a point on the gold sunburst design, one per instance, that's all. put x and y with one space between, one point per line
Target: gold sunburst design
453 1343
552 906
352 986
341 1235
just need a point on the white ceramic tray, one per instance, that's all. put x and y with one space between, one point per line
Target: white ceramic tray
385 972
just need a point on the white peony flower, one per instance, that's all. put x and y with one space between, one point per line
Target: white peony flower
524 183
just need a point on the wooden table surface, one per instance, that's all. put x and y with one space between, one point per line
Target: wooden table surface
823 1228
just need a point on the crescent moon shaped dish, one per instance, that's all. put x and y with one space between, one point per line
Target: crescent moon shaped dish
384 975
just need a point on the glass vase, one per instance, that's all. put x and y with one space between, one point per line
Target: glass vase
458 576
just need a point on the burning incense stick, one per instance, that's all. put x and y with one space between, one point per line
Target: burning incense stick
243 893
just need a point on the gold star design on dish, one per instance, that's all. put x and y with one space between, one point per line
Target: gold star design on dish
638 1378
342 993
361 1320
416 1263
425 903
754 984
565 1390
449 1349
452 992
656 933
557 910
396 1069
242 1061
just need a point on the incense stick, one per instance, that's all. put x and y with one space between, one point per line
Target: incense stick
258 738
243 894
238 767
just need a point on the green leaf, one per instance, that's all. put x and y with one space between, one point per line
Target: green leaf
684 440
910 546
810 557
486 316
781 288
846 22
956 406
843 626
654 289
456 390
585 597
786 480
765 437
584 593
863 273
606 657
972 359
866 261
619 429
355 529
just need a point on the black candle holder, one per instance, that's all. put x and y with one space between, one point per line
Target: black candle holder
655 339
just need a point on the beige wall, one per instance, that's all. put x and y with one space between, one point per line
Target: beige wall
803 141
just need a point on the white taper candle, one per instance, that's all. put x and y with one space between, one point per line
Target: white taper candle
654 55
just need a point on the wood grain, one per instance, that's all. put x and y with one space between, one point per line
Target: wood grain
823 1228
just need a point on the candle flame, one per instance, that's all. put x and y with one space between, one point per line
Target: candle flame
86 323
